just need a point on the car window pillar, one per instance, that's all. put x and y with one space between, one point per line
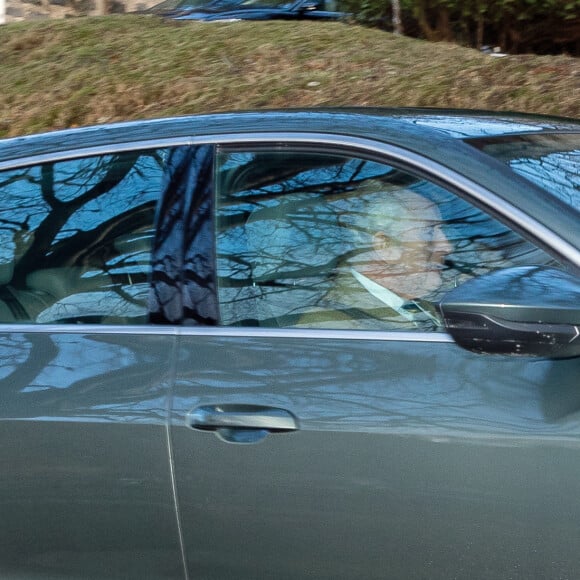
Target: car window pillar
183 289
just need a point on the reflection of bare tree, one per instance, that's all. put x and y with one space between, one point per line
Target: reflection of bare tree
60 211
287 221
385 387
183 282
557 172
65 220
70 376
165 302
26 357
551 161
200 298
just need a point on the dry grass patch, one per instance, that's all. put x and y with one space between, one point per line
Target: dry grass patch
59 74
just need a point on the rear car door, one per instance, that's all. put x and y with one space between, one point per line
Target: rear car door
312 439
85 485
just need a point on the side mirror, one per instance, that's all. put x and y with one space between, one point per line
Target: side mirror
526 311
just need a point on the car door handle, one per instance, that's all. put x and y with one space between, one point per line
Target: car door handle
216 417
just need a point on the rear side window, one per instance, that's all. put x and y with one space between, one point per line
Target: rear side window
551 161
76 239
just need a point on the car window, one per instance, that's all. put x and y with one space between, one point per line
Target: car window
77 237
551 161
315 240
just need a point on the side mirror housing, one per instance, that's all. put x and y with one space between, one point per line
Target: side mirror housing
525 311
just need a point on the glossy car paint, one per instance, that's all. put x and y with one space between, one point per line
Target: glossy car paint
412 458
86 481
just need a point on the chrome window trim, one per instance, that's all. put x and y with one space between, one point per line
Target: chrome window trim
228 332
30 328
318 333
457 181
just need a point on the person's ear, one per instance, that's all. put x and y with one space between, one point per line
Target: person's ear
380 241
388 247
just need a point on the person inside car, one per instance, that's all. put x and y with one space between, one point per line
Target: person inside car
398 263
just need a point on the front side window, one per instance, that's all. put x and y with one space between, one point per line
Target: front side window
314 240
77 238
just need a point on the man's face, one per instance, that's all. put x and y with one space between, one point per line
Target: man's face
409 261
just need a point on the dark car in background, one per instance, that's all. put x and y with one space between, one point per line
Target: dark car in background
249 10
184 394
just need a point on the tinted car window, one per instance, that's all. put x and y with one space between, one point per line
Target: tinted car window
326 241
77 237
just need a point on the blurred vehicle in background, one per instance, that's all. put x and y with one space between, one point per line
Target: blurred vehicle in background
248 10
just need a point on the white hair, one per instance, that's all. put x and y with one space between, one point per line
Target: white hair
383 209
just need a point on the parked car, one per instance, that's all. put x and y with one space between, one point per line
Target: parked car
211 10
222 357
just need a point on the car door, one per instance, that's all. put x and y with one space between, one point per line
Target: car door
86 255
315 439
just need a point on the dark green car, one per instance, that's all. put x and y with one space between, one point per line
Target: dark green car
327 344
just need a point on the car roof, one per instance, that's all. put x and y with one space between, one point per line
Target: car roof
413 128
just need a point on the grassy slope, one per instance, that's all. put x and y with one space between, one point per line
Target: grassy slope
75 72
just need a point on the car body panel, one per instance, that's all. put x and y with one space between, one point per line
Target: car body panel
404 127
413 459
86 489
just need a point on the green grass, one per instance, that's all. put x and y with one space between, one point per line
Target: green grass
66 73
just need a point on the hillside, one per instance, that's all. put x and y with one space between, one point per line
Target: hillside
82 71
